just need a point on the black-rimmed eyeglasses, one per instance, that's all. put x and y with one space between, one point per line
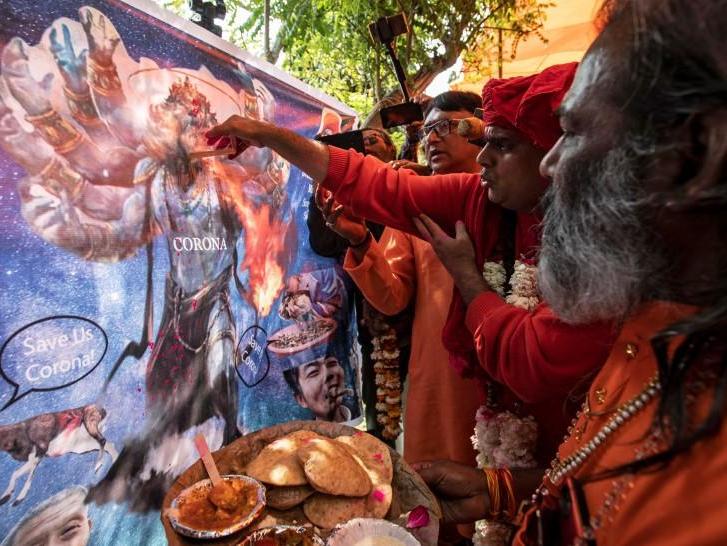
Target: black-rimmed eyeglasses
443 127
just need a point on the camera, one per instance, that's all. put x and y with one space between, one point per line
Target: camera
401 114
385 29
205 13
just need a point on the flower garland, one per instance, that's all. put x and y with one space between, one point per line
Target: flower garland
502 439
523 283
385 355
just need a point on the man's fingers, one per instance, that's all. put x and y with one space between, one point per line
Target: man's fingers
319 197
328 203
240 146
332 218
466 510
461 231
217 132
433 227
423 231
322 196
434 474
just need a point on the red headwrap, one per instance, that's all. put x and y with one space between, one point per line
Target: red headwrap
528 103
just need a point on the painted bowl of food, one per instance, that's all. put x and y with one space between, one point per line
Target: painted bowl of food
208 512
301 336
283 535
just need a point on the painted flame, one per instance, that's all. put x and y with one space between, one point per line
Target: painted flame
264 242
264 247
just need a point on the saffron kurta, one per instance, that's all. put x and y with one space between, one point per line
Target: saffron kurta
544 346
440 403
683 503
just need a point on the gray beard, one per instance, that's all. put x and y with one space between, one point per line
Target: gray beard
599 258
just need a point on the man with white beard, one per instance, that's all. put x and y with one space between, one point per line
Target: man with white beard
634 232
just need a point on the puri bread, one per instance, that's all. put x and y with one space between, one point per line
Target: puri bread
378 501
278 463
327 511
374 454
285 498
331 469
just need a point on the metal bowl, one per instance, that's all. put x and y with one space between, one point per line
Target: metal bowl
358 529
270 532
206 485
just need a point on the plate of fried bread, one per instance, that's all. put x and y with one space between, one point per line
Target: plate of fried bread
316 474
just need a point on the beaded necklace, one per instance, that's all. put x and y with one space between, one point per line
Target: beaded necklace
561 468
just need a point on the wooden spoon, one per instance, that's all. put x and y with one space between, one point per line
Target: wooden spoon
209 463
222 494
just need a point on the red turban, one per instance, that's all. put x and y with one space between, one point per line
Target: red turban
528 103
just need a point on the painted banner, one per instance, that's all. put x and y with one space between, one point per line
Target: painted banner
147 296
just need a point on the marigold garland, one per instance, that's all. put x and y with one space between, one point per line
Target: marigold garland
385 355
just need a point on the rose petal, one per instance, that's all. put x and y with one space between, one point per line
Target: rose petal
419 517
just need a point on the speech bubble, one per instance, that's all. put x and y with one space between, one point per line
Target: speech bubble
50 354
252 361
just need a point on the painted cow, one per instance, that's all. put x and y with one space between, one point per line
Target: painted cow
76 430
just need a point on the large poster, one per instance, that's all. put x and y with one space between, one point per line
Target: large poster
148 296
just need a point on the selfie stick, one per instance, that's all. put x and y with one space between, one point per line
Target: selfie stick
398 69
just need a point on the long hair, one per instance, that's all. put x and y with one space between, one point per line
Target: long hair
676 71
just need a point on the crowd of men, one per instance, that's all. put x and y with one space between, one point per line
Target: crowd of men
588 263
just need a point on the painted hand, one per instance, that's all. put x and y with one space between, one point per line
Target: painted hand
340 219
101 34
72 66
460 489
30 94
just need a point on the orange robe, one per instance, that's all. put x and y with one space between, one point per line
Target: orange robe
683 503
440 405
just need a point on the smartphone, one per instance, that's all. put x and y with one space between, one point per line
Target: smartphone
349 139
401 114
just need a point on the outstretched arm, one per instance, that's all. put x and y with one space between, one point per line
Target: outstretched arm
372 189
310 156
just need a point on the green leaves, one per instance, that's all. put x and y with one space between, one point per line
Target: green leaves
326 42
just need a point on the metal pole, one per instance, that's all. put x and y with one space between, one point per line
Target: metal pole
499 53
266 36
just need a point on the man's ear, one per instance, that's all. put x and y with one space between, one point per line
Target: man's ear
301 401
705 160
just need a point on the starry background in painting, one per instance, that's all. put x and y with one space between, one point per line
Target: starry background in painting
38 280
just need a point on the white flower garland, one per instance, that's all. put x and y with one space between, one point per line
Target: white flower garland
504 439
523 283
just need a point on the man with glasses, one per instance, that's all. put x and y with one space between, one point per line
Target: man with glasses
528 361
634 233
401 269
